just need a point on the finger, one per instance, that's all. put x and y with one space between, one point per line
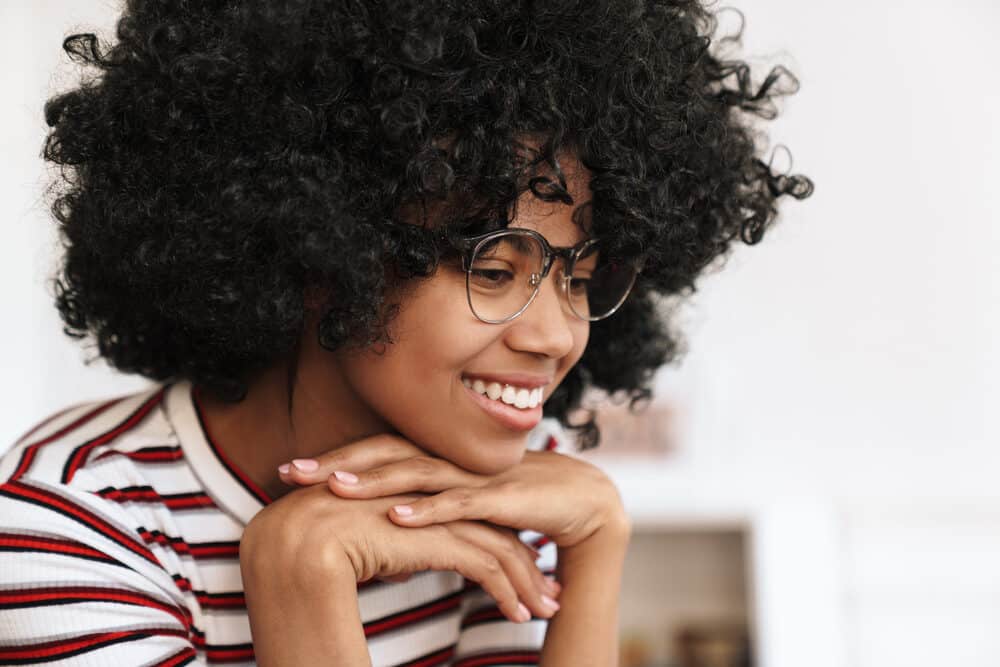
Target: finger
355 457
426 474
490 503
446 551
517 560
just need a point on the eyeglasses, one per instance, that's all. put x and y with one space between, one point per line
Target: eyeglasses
504 270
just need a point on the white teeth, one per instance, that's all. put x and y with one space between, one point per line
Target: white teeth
523 396
519 398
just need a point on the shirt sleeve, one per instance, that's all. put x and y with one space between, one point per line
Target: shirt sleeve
78 585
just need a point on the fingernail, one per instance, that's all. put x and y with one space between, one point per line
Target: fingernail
345 477
403 510
523 615
550 603
306 465
284 468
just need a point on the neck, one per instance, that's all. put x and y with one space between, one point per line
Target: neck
261 432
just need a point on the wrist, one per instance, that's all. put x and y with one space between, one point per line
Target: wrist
611 539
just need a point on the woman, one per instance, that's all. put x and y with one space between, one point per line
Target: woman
364 248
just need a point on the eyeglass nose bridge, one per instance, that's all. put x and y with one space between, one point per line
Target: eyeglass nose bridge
568 256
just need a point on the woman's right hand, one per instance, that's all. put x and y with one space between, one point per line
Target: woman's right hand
305 533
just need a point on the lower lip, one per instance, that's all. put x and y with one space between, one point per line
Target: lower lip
511 417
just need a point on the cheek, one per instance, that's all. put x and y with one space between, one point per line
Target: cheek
581 336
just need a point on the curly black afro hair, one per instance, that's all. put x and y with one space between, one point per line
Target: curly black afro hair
223 158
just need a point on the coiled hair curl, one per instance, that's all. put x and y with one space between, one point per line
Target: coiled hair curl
225 157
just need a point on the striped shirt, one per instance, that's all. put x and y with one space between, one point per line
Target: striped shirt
120 524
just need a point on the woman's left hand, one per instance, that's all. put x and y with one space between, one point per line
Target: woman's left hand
562 497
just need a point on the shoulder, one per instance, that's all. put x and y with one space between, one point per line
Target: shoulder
57 448
76 492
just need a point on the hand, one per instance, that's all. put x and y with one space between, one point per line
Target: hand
564 498
309 531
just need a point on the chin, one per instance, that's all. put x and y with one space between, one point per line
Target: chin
499 460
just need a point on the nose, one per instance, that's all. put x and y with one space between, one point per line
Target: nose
547 325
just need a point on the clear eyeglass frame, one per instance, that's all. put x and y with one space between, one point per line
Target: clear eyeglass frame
471 245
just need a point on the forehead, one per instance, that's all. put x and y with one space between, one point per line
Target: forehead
562 223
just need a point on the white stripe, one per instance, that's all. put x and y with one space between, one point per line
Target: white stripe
226 628
24 570
208 525
34 625
414 640
381 600
501 636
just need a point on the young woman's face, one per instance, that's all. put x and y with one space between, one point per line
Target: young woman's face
417 387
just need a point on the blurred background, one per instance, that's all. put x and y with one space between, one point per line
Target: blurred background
816 482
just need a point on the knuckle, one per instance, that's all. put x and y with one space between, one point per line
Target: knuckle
507 549
335 460
423 466
395 444
462 498
511 487
491 565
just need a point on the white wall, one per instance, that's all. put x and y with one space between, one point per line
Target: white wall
842 382
43 369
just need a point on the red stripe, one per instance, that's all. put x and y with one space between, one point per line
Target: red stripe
551 444
177 659
541 541
413 615
229 654
163 454
176 544
519 658
174 501
232 600
32 450
215 550
51 545
184 501
54 650
70 594
483 615
79 456
80 514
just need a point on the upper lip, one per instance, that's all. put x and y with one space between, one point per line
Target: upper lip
526 380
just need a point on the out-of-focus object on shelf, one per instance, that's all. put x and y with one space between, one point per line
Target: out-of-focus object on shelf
635 650
652 432
719 644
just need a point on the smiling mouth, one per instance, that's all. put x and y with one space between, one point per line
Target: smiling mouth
518 397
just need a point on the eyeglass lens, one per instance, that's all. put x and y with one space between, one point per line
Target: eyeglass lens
506 270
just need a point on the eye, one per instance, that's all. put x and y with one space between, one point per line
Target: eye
579 285
491 278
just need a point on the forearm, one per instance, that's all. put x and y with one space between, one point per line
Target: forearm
585 631
305 618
